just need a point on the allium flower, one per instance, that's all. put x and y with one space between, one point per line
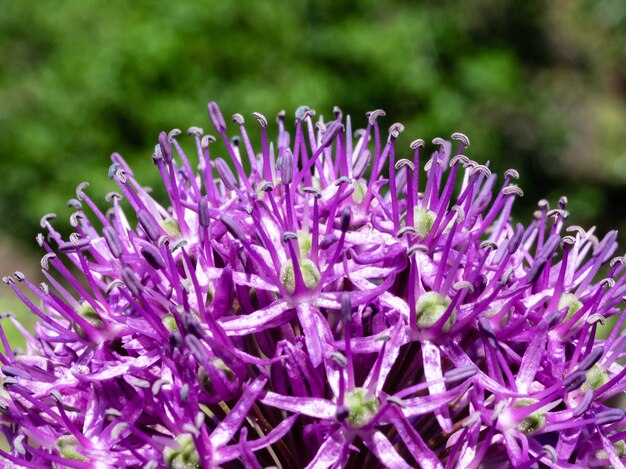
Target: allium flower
332 306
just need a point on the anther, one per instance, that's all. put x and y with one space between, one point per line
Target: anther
462 138
480 168
46 259
267 187
417 143
511 174
339 358
75 218
596 317
74 203
173 134
19 276
488 244
113 196
516 190
462 159
418 247
375 114
396 401
395 130
301 112
80 189
337 112
618 259
607 282
196 131
342 180
312 190
238 119
460 214
289 235
184 393
261 118
567 240
178 244
46 218
401 163
8 280
556 213
112 285
406 229
207 140
18 445
551 453
463 284
75 239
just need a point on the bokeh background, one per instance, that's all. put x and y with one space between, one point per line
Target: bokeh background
539 86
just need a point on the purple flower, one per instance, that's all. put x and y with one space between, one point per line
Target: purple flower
333 306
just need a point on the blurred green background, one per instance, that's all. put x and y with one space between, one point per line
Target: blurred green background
537 85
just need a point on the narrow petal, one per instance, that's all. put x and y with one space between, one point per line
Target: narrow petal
311 406
385 452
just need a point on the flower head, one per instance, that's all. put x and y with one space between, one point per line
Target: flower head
331 306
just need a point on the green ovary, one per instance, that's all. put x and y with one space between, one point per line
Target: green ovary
89 314
362 407
570 301
424 220
66 445
596 377
185 456
171 227
534 422
430 307
310 275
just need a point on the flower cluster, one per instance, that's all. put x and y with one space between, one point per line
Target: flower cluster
330 306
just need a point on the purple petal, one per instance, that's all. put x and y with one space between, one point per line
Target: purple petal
258 321
311 406
385 452
227 428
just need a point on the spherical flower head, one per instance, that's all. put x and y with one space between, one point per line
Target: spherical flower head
311 294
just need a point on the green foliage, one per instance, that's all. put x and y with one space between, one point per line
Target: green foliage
82 78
